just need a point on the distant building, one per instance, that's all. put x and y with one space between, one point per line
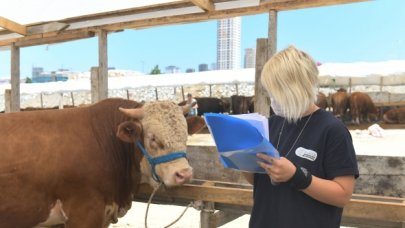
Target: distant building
36 71
190 70
172 70
250 58
213 66
38 75
228 43
203 67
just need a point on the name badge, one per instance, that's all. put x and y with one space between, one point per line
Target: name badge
306 153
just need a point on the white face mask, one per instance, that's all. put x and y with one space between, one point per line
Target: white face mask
278 110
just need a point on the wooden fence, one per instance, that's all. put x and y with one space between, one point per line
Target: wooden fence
222 202
381 93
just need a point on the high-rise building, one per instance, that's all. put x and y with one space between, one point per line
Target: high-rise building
203 67
228 43
250 58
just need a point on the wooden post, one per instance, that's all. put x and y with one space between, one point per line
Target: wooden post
265 48
72 99
127 95
102 65
381 84
207 216
156 94
272 34
237 89
15 79
7 100
42 100
95 85
262 101
210 90
350 85
182 93
61 101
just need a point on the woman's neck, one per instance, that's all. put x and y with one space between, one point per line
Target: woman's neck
311 109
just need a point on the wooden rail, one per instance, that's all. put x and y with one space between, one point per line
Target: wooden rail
362 210
389 104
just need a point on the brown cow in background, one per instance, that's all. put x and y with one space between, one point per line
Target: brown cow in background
395 116
362 107
242 104
321 100
339 103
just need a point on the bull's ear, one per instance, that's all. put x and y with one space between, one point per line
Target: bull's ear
195 124
129 131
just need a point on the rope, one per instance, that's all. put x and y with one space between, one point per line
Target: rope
149 202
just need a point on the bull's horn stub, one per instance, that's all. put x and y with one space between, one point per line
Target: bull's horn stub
136 113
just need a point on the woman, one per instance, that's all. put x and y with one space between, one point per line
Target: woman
315 175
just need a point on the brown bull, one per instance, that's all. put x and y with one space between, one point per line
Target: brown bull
395 116
80 167
339 102
321 100
242 104
362 108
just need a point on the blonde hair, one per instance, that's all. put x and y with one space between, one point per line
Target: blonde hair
291 78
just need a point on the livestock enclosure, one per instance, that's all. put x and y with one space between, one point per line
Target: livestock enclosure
215 194
224 195
383 90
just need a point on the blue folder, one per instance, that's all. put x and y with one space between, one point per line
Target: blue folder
238 141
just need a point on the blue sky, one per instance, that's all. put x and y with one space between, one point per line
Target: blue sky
369 31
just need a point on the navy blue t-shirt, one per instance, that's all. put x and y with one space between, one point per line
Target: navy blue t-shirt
325 149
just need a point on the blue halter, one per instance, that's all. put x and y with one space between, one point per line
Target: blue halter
160 159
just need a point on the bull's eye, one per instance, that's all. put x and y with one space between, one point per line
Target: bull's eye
155 143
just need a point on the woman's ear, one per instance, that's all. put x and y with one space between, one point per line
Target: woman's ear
129 131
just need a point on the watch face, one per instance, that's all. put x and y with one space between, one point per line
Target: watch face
304 170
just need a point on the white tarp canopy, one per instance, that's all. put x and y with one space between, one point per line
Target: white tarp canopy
29 23
360 69
29 11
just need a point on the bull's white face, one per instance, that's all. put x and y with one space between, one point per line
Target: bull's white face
164 131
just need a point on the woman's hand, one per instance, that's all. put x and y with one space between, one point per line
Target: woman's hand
279 170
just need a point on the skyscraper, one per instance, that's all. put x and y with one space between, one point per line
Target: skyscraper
228 43
250 58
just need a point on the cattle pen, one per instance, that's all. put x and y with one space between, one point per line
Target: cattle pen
216 188
224 195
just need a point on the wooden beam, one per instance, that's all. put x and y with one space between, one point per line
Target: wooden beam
360 206
215 194
376 208
179 19
13 26
281 5
45 39
105 15
206 5
49 27
214 15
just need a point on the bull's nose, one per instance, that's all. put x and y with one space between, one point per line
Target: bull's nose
183 176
